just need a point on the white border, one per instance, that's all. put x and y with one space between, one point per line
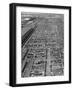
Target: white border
20 80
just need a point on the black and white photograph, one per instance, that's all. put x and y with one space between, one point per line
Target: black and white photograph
40 44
